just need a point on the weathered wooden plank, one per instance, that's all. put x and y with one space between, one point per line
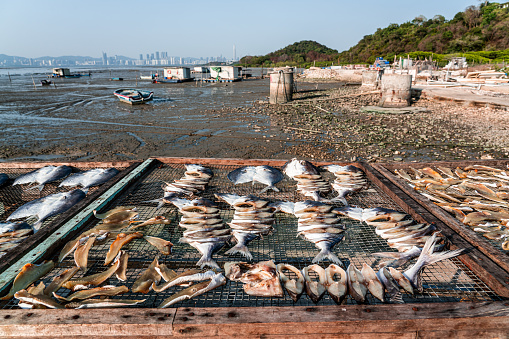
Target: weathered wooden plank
134 322
238 162
352 319
497 255
397 321
61 234
486 269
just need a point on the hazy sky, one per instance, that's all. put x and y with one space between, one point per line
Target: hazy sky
35 28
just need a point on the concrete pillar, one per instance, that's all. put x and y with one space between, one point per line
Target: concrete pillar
370 80
281 86
396 90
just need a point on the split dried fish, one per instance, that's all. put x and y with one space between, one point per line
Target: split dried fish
357 284
144 282
349 179
81 252
164 246
374 285
29 273
43 300
121 240
90 178
195 290
108 290
47 206
266 175
94 279
60 280
309 181
185 277
259 279
43 175
103 303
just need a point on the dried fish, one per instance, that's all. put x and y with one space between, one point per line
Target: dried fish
94 279
164 246
60 280
28 274
102 303
185 277
90 178
43 300
144 282
259 279
338 289
157 220
108 290
81 252
357 284
315 289
43 176
195 290
309 181
266 175
121 240
120 273
374 285
294 287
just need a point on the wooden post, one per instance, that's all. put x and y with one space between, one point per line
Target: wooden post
9 77
33 81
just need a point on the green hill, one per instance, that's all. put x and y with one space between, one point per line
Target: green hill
299 53
483 28
479 32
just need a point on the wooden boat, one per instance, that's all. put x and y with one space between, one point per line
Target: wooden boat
46 82
133 96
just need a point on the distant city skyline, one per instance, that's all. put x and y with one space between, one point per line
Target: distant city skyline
33 28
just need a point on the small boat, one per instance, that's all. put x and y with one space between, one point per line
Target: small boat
148 77
46 82
117 79
133 96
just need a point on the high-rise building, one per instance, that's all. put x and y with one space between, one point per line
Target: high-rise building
141 56
157 55
105 59
148 57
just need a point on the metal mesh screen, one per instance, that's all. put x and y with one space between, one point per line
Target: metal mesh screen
13 197
445 281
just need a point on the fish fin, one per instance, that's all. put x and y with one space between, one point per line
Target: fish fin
340 199
40 187
325 254
159 201
37 226
85 190
204 261
241 249
274 188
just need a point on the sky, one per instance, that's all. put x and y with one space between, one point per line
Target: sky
187 28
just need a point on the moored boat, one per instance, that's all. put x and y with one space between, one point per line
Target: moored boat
133 96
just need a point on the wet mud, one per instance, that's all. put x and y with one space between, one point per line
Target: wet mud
81 120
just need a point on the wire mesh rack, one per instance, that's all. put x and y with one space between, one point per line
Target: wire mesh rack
446 281
469 193
14 196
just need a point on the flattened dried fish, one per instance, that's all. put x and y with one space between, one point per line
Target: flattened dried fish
259 279
144 282
108 290
87 179
309 181
81 252
186 276
28 274
121 240
266 175
195 290
120 273
103 303
374 285
94 279
164 246
59 280
43 176
43 300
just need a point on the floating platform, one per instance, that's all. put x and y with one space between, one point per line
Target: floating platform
463 296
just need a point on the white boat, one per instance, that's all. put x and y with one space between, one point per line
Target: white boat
133 96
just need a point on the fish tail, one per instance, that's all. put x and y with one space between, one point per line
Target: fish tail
159 201
326 254
274 188
40 187
340 199
85 190
241 249
37 226
207 261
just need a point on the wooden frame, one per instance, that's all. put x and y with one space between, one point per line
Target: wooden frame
456 319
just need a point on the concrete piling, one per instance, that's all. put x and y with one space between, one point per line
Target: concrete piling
396 90
281 86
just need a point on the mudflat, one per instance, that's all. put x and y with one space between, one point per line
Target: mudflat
81 120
